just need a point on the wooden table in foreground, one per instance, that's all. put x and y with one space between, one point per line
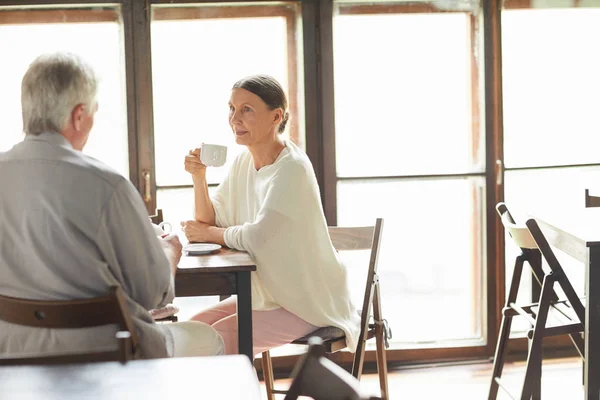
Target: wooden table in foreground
222 377
225 272
577 233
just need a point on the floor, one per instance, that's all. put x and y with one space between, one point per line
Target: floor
561 381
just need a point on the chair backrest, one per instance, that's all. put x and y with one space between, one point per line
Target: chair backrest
556 268
519 233
321 379
97 311
361 238
158 217
591 201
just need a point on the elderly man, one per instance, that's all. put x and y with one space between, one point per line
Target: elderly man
71 227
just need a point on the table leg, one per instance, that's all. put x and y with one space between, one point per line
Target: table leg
592 326
244 311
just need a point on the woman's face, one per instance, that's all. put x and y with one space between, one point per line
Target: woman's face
251 120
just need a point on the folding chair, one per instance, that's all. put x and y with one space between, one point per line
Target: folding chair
158 217
357 238
321 379
533 244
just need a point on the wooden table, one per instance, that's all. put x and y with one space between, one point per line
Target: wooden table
577 233
226 272
222 377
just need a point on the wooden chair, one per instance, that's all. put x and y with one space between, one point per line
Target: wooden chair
319 378
359 238
591 201
97 311
158 217
569 312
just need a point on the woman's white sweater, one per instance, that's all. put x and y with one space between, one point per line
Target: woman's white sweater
275 214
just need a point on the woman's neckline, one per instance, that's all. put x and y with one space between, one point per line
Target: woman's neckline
281 154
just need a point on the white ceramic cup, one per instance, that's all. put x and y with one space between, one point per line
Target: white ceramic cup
213 155
162 228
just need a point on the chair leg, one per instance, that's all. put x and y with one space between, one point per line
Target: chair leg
380 345
359 356
267 367
536 391
534 358
504 334
501 349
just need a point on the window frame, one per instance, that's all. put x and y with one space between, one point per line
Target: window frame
489 324
174 11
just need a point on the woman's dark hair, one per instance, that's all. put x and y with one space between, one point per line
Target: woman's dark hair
270 91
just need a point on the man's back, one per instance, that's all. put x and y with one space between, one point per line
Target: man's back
70 227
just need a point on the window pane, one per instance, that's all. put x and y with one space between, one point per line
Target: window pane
197 56
431 256
177 204
98 42
550 86
395 101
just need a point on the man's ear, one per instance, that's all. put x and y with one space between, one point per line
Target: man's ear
77 116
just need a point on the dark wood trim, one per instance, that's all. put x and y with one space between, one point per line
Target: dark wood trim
53 16
516 4
215 11
546 167
142 58
20 4
494 151
130 82
183 2
409 177
175 187
414 8
326 78
310 34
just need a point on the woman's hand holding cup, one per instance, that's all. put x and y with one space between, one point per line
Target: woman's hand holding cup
194 166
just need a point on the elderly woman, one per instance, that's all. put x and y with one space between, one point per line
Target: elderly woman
269 206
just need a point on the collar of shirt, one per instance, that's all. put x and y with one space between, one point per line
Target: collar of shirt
52 138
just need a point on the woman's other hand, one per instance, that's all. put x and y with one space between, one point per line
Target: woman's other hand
195 231
193 165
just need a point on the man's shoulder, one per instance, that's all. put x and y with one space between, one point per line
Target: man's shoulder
62 161
102 171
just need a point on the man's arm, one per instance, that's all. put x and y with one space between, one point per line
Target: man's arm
135 256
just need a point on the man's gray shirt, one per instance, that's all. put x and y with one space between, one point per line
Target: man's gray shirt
71 227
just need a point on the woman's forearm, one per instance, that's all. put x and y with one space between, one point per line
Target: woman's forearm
203 208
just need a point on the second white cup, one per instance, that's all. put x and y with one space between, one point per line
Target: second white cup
162 228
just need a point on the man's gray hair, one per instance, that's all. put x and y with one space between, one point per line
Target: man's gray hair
53 85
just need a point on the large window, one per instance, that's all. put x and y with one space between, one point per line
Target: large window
409 148
551 124
198 53
95 35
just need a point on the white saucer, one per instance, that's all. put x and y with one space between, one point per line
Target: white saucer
196 249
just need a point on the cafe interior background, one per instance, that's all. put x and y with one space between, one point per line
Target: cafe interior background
425 113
